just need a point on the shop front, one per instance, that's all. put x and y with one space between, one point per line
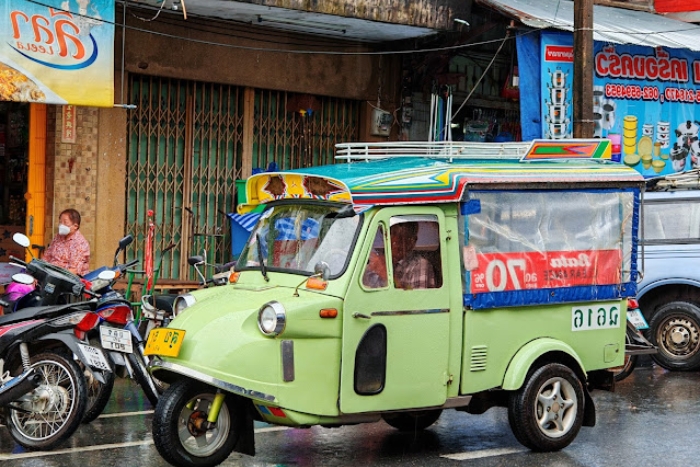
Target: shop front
55 57
646 89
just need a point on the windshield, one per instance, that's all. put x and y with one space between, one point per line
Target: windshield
296 237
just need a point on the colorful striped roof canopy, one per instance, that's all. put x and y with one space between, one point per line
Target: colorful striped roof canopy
421 173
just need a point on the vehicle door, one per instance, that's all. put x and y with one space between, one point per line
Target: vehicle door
396 335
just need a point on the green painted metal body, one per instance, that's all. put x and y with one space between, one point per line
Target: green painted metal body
433 357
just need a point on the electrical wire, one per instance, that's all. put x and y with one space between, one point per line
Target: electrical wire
488 67
330 52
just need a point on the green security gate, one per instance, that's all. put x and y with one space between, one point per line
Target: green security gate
185 152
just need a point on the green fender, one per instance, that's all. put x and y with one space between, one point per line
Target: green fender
526 356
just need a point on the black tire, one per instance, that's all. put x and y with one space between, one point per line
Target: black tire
55 408
174 426
98 394
536 414
630 363
142 376
412 421
675 331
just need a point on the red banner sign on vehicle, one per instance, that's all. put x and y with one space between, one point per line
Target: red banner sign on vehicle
498 272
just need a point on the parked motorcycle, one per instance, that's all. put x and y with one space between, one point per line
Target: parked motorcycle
43 396
112 328
158 310
635 342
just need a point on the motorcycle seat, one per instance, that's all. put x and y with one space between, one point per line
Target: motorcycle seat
42 312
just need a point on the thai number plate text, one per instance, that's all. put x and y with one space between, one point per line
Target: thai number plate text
596 316
164 341
94 357
116 339
637 319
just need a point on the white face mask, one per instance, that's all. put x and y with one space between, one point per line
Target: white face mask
63 229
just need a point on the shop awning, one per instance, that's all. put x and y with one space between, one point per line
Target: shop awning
615 25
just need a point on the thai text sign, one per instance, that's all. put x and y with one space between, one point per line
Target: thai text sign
645 100
57 51
498 272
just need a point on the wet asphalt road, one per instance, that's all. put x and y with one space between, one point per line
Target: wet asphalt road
653 419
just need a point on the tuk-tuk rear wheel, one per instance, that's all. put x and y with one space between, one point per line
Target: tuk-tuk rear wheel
546 414
412 421
180 430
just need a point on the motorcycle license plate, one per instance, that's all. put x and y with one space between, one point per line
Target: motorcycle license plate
637 319
94 357
164 341
116 339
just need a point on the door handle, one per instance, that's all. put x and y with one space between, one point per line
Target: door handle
360 315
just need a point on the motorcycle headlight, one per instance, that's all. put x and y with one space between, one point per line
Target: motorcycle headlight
182 302
271 319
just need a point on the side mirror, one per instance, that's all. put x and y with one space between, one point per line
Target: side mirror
21 239
107 275
195 260
323 270
23 278
126 241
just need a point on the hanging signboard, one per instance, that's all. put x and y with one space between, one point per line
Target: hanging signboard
57 51
645 100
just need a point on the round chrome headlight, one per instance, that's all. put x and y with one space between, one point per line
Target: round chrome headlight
272 318
182 302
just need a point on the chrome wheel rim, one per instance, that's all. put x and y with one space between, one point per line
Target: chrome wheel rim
195 438
556 407
50 405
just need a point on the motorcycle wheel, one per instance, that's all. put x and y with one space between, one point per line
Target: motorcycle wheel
177 422
53 411
622 372
143 377
98 394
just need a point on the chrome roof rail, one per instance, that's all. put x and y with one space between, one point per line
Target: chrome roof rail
433 149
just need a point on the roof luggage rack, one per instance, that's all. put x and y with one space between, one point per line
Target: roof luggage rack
434 149
689 180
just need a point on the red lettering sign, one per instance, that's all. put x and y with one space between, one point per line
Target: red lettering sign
68 127
498 272
559 53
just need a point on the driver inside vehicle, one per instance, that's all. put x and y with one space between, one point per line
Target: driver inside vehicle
411 270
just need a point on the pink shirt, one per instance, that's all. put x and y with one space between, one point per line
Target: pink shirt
69 253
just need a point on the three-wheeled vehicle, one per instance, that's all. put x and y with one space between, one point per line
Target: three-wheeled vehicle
410 279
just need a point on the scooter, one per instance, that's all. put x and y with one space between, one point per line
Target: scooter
43 396
635 342
112 328
158 310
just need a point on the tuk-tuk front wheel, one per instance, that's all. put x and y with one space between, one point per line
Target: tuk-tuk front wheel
546 414
180 428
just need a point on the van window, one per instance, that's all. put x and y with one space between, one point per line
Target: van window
677 221
415 252
537 241
298 237
376 270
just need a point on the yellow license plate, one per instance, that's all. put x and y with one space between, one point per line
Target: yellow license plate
164 341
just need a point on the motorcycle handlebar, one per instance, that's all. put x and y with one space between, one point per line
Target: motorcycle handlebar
17 260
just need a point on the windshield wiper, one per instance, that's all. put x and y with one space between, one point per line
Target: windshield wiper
263 270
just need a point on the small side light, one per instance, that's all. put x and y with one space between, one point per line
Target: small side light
233 277
328 313
316 283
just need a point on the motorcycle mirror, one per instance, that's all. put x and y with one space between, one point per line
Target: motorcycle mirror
194 260
107 275
23 278
21 239
126 241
